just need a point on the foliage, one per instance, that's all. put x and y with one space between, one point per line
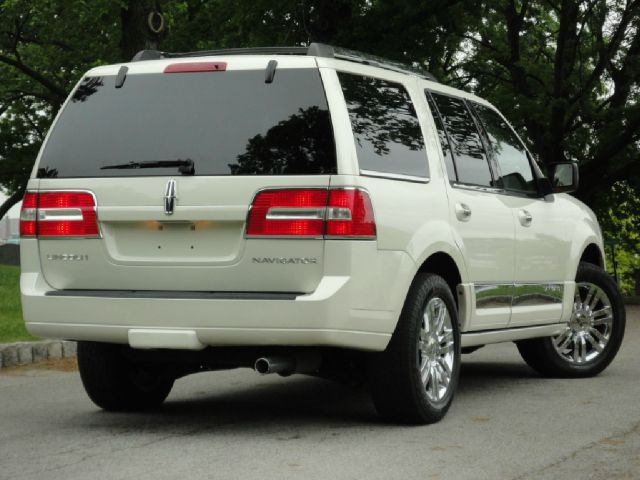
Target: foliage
45 46
565 72
568 76
620 220
12 327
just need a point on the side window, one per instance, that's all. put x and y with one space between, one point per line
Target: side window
385 126
515 169
469 156
444 141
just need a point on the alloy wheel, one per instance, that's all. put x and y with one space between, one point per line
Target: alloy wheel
436 353
589 330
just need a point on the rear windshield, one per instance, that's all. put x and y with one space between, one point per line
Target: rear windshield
227 123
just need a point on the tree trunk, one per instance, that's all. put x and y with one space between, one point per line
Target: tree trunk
11 201
136 34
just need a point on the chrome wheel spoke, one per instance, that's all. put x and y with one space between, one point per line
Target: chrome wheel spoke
434 315
583 349
576 298
442 312
446 342
435 379
590 294
594 343
576 350
602 316
595 299
563 339
425 371
426 323
596 333
445 366
445 377
445 349
447 337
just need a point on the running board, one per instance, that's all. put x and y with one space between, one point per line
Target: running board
474 339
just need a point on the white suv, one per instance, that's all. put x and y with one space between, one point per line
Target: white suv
303 210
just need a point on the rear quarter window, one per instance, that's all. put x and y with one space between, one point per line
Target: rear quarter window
385 127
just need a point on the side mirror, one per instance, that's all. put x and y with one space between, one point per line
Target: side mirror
544 186
564 177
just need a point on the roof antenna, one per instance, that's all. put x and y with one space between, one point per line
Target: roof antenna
270 72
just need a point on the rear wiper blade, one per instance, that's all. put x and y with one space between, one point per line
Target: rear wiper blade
186 166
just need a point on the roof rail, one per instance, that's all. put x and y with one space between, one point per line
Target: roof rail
314 49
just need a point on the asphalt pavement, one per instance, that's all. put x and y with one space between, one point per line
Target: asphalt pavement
506 423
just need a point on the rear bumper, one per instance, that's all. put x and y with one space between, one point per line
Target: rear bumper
322 318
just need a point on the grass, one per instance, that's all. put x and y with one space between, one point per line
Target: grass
12 327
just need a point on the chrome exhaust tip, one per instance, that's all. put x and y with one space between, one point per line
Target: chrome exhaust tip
281 365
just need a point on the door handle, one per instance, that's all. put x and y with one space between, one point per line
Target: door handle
463 212
525 218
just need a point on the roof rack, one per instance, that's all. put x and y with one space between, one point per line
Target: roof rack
314 49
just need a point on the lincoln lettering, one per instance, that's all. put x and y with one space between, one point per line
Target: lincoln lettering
69 257
285 260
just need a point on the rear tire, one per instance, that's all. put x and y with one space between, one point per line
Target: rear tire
115 383
414 379
593 335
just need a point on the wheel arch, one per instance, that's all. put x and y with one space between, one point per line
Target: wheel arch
592 254
443 264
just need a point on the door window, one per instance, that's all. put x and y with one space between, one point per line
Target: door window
470 159
444 141
385 126
515 170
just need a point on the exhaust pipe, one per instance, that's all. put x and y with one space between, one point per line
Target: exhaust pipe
308 362
275 364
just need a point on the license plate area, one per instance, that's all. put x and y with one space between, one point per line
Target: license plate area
154 241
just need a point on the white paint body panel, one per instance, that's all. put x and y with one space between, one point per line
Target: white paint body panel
351 298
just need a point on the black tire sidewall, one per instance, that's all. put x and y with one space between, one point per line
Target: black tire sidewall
108 379
434 286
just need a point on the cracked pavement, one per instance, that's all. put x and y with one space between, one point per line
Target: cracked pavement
506 423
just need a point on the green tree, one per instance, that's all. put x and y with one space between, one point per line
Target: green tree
619 215
566 72
45 46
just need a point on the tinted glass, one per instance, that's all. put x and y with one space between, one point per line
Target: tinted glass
468 152
444 142
515 169
385 126
228 123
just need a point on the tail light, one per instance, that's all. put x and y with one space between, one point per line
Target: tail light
28 215
58 214
350 214
312 213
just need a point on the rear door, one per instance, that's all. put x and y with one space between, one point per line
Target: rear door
483 223
241 133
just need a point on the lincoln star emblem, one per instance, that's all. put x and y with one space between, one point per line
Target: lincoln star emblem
170 197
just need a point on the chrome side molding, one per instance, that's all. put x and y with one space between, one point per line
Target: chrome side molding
518 294
493 295
537 294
